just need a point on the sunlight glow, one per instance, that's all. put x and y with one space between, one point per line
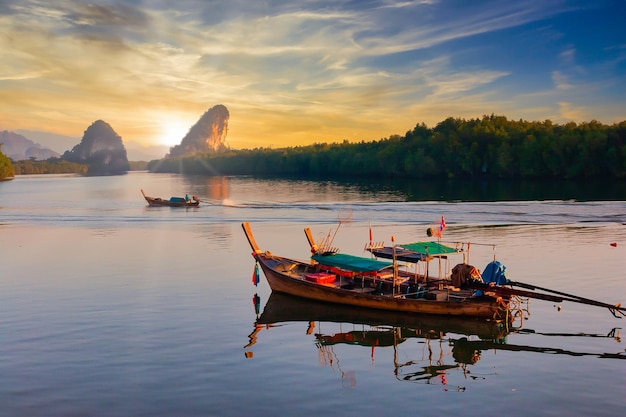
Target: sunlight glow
172 131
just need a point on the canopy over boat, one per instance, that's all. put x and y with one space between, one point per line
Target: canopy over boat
350 262
412 252
429 248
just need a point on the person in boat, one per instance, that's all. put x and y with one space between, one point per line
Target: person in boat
187 197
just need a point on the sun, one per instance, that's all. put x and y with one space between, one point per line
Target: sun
171 131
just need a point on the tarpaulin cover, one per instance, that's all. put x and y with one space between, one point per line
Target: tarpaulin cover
400 254
350 262
429 248
495 272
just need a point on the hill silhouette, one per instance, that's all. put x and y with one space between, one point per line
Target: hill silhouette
19 148
207 135
102 149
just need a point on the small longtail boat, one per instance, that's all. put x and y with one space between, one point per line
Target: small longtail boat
172 202
370 283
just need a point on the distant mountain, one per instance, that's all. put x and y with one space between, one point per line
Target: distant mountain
102 149
207 135
19 148
54 141
61 143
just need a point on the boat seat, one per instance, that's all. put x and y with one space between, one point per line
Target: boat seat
389 278
286 267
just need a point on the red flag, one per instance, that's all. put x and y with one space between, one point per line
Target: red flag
255 275
370 234
443 224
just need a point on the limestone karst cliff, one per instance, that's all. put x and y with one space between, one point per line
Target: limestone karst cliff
102 149
207 135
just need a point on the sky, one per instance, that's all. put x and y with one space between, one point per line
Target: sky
295 73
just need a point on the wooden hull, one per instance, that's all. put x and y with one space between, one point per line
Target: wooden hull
281 277
282 308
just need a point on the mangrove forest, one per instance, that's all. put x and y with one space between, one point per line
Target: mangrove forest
491 147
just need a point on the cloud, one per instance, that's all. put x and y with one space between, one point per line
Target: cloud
567 56
22 76
289 70
561 81
571 112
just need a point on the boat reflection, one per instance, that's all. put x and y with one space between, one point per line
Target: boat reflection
286 308
447 343
376 329
432 367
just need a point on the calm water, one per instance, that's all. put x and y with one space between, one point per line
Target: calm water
111 308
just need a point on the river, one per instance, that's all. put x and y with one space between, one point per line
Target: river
112 308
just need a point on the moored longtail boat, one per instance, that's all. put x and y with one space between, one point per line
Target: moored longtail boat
369 283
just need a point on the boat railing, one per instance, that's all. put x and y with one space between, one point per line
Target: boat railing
374 245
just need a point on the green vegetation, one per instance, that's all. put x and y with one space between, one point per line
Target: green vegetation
6 168
52 166
49 166
456 148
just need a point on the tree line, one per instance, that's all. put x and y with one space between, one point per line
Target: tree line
6 168
48 166
10 168
491 146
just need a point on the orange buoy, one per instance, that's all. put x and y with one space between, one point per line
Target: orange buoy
614 244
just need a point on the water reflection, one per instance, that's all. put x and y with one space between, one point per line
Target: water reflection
217 188
442 344
477 189
381 330
439 355
209 189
